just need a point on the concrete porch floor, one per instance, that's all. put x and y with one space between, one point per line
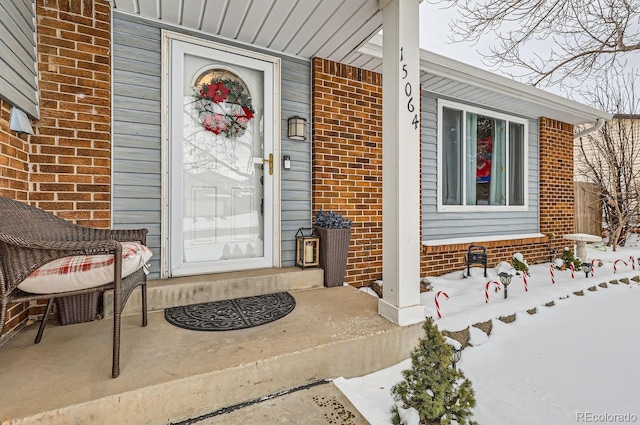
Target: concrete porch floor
170 374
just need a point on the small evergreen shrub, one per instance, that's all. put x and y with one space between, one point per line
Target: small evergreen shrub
440 393
519 263
568 258
332 220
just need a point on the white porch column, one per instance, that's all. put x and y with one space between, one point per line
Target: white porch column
401 163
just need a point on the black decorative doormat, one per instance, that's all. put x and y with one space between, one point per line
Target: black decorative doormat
228 315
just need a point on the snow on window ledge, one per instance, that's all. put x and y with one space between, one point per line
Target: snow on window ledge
477 239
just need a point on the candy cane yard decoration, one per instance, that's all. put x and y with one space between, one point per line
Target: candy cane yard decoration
486 289
573 270
524 280
616 263
444 294
593 264
552 271
633 262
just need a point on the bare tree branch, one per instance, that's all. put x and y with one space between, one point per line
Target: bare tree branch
588 37
610 157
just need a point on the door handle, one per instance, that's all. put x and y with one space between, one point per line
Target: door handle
270 161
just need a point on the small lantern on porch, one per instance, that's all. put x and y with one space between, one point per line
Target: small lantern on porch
307 247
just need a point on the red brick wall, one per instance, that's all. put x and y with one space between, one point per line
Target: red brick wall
347 176
65 166
14 159
556 180
347 159
14 184
70 153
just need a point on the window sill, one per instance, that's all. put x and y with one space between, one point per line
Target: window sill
481 208
479 239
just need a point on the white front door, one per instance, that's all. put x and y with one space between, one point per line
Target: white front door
222 187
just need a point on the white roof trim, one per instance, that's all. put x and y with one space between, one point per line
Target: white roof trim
436 64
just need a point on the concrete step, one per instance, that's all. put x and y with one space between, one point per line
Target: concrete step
163 293
169 374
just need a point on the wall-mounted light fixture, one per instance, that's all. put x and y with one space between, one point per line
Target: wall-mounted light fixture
297 128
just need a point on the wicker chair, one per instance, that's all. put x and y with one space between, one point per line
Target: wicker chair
31 237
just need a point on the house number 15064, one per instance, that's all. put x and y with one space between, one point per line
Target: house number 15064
408 91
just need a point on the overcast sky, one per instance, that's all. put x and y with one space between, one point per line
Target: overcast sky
434 36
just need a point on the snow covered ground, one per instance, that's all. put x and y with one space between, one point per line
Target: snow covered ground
575 362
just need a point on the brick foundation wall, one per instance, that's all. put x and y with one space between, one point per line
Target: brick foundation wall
65 166
442 259
347 177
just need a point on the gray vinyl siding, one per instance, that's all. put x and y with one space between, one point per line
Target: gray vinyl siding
296 182
137 194
447 225
18 76
137 160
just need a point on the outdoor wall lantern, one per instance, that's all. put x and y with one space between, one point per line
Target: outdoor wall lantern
456 354
586 268
297 128
307 247
505 279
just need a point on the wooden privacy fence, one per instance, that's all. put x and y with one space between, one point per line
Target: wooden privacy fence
588 208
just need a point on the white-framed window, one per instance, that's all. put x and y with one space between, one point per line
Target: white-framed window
482 159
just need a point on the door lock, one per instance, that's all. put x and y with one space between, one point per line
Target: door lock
270 161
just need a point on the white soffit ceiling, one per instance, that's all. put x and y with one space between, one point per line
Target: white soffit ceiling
339 30
329 29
